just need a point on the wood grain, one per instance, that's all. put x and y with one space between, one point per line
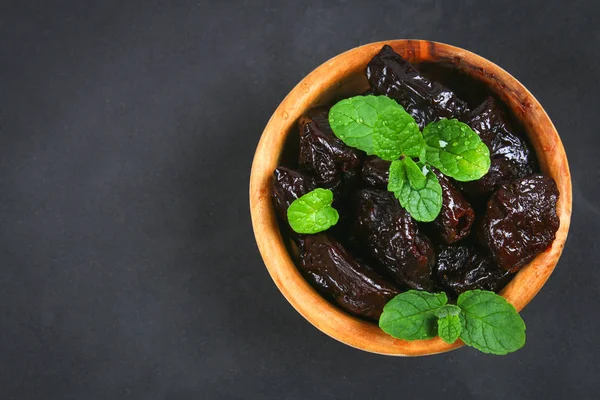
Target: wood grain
344 76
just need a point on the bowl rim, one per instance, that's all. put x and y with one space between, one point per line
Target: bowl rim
329 318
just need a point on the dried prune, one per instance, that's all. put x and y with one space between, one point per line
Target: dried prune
288 185
323 155
350 283
511 157
375 172
320 116
393 239
465 267
520 221
390 75
456 217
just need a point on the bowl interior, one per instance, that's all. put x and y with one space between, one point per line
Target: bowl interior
473 78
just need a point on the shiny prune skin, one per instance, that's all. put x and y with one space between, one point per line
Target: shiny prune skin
288 185
466 267
338 276
511 157
323 155
427 101
393 239
520 221
320 116
375 172
456 217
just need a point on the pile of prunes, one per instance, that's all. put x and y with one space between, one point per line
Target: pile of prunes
486 231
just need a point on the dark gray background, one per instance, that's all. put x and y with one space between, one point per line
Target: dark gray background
128 263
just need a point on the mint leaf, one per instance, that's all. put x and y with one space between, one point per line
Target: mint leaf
490 323
456 150
449 325
376 125
415 174
417 189
411 315
312 213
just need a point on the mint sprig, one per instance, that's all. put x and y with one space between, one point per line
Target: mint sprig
313 213
449 324
481 319
490 323
376 125
411 315
379 126
456 150
417 189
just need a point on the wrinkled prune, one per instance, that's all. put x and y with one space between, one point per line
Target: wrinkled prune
520 221
351 284
465 267
288 185
323 155
393 239
375 172
390 75
511 157
320 116
456 217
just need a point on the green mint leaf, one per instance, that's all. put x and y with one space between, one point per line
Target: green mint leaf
411 315
456 150
417 189
376 125
490 323
449 325
313 213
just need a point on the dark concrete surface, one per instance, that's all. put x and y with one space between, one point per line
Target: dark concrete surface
128 265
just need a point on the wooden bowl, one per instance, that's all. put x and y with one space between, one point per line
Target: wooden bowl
343 76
